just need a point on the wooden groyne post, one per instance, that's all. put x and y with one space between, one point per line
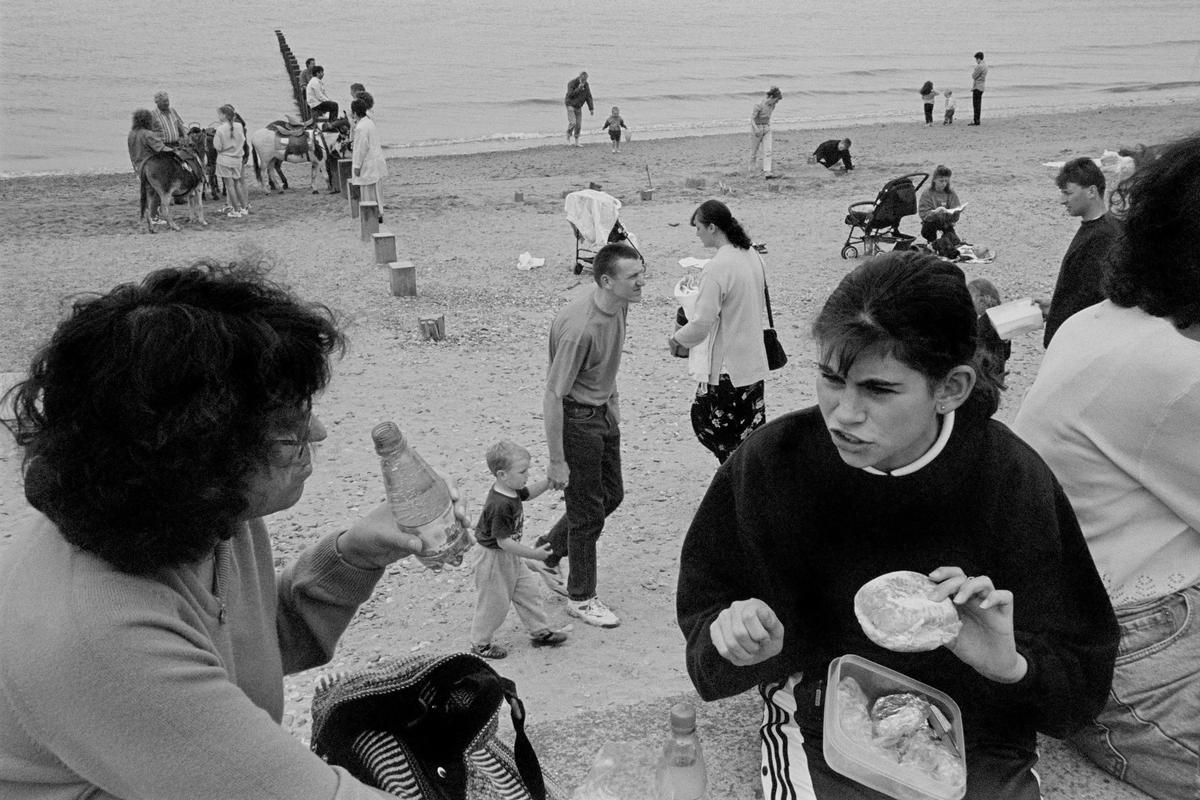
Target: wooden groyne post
292 67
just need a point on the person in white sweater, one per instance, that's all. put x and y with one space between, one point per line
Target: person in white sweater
728 329
1115 411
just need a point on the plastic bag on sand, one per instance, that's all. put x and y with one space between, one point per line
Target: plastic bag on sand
526 261
620 771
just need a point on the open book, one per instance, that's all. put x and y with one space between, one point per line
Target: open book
949 211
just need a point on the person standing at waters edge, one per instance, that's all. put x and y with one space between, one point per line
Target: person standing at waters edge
726 330
582 417
144 630
369 165
928 93
578 93
899 466
978 78
1115 410
1081 276
760 130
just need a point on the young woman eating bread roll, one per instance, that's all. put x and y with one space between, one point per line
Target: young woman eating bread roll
899 466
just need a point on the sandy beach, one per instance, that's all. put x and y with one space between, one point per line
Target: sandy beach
455 217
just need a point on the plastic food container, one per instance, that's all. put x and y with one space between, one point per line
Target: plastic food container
1016 317
875 767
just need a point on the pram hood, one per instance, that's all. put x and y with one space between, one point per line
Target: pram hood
593 213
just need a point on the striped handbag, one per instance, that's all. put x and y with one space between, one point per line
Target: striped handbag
424 728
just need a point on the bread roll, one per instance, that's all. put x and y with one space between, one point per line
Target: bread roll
896 612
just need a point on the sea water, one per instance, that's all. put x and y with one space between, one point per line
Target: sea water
460 75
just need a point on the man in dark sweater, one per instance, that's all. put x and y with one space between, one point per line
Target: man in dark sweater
830 152
578 93
1081 275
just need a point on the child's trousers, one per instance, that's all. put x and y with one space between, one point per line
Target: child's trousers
502 580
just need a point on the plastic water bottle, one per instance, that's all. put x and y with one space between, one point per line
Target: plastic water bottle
680 774
420 500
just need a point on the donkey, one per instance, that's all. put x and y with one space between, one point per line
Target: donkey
169 175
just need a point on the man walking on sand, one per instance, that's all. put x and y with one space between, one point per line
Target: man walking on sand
760 130
582 418
578 93
978 77
1081 274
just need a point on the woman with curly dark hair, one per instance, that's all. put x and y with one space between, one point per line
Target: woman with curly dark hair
898 467
144 633
1114 410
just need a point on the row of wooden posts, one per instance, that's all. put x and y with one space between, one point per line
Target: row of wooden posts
402 275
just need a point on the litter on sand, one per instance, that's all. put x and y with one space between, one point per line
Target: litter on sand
692 263
526 261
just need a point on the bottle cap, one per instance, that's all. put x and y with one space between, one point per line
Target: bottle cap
683 718
387 436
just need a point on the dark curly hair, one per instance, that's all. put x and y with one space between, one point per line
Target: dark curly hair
915 307
1156 266
145 415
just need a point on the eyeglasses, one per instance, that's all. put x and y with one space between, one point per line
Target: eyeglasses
286 452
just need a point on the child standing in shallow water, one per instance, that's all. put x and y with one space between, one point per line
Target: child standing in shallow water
502 578
927 95
613 125
949 118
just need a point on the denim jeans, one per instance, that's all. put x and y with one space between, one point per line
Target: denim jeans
1148 734
592 446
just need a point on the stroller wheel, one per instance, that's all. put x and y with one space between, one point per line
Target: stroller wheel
849 251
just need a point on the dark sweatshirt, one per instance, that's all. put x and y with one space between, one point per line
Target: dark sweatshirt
785 520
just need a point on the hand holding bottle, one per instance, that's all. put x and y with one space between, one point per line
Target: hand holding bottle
376 541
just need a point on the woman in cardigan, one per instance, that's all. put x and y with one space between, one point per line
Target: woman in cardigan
897 467
726 334
144 632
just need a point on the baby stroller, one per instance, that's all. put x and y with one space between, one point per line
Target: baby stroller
592 216
878 220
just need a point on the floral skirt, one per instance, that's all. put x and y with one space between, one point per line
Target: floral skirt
723 415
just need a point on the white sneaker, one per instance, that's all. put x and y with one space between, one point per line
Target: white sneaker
593 612
555 579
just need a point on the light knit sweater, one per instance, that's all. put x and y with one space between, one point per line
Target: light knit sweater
122 686
1115 412
730 299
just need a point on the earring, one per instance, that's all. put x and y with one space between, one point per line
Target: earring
942 408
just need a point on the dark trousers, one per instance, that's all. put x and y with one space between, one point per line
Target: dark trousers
320 108
592 446
977 102
929 113
931 228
